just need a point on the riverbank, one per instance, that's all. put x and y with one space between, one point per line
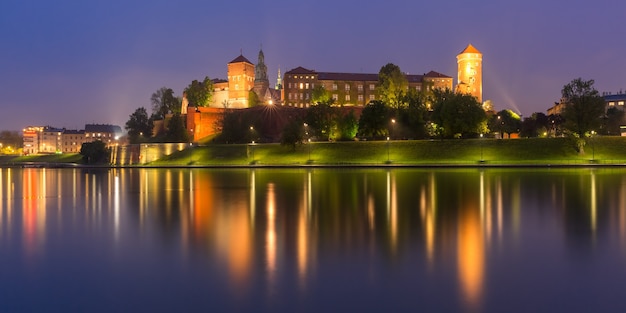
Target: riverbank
442 153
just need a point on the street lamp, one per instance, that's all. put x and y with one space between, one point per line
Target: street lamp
309 145
252 144
388 161
481 147
593 146
393 126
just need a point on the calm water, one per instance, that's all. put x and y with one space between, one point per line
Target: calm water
180 240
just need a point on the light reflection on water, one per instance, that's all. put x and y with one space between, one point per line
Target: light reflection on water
312 240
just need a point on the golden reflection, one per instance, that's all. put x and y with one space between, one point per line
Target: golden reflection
270 235
34 208
428 214
303 243
392 209
252 197
471 255
594 203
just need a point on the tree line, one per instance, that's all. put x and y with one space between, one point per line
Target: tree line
400 113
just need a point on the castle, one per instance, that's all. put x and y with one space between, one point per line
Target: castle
248 85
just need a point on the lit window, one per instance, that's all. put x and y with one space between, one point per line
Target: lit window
289 85
360 98
372 87
289 96
347 87
360 88
301 96
306 96
306 86
611 103
620 103
347 97
301 85
334 86
335 97
372 98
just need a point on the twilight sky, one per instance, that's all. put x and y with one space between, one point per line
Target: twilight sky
67 63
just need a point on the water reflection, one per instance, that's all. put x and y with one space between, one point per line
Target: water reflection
272 227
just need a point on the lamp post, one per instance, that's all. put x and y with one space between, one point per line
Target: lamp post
309 146
393 126
481 148
388 161
252 142
593 146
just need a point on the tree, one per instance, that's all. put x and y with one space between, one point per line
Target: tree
320 119
374 120
584 107
537 125
612 122
139 126
95 152
412 118
164 102
505 121
199 93
292 134
253 99
10 141
458 115
392 85
347 126
176 129
321 95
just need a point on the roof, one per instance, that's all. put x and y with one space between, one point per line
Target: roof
73 132
102 128
347 76
470 49
240 59
300 70
433 74
616 97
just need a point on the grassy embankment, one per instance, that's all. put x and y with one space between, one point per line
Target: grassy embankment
606 150
553 151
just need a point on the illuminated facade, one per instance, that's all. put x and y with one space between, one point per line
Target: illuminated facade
351 89
470 72
46 139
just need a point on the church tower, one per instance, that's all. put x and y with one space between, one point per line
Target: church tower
470 72
260 73
279 81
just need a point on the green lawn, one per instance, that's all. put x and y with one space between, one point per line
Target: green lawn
421 152
603 150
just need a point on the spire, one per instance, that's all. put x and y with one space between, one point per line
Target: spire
279 81
260 70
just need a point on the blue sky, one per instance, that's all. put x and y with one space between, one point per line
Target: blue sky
67 63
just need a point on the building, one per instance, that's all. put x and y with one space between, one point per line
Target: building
109 134
72 140
351 89
48 140
470 72
615 100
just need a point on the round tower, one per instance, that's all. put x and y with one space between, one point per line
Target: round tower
470 72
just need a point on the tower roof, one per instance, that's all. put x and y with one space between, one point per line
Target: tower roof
470 49
240 59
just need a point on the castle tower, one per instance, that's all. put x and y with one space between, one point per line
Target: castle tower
470 72
240 81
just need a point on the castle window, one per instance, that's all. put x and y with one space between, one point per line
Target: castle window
307 96
372 98
360 88
289 85
335 97
306 85
301 85
347 87
372 87
334 86
301 96
620 103
290 96
360 98
347 97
